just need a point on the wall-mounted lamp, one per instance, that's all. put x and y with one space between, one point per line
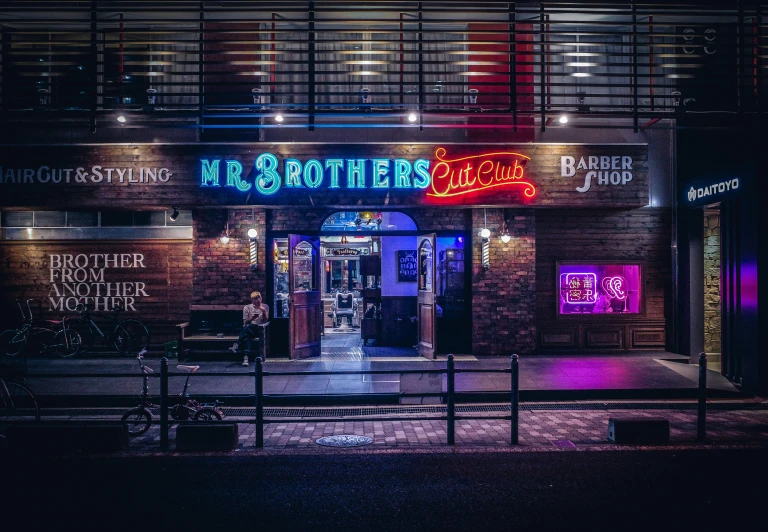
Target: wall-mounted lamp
412 116
279 118
225 237
563 119
121 119
505 236
174 215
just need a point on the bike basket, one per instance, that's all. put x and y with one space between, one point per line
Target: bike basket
172 349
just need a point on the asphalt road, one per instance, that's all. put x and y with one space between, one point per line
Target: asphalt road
688 490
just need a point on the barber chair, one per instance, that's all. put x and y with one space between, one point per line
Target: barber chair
344 305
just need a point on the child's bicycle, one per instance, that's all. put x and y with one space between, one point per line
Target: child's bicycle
139 419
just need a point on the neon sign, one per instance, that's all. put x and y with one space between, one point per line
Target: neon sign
443 179
616 287
580 288
268 177
476 173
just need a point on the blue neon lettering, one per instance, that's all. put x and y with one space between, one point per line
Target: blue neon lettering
334 165
313 166
234 171
293 173
268 180
380 169
209 173
421 178
402 173
355 173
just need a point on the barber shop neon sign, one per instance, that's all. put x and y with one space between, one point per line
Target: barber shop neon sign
444 178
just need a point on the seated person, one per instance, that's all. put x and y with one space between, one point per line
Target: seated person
255 316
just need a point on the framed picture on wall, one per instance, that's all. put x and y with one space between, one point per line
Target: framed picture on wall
407 266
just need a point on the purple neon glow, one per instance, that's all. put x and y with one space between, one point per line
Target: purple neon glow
600 288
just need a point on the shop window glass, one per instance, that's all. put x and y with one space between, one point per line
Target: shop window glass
304 261
600 288
50 218
117 219
425 265
368 221
149 218
17 219
280 261
82 219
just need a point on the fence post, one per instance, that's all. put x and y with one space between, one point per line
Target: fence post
514 399
164 404
701 426
451 401
259 392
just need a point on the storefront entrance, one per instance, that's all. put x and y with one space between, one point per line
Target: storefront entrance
376 291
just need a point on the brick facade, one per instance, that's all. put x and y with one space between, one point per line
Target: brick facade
504 296
221 272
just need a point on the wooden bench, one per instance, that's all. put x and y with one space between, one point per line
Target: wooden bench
211 331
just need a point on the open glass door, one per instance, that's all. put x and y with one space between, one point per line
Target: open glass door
304 296
426 298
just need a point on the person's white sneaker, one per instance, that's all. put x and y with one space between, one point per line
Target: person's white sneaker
245 360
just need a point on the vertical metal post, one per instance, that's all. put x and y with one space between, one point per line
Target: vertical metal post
513 63
94 67
259 393
542 67
200 67
635 101
311 52
421 73
701 425
451 429
514 399
164 404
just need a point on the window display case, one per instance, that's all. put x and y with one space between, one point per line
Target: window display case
280 280
599 288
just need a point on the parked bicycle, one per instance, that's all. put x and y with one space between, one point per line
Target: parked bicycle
139 419
45 336
17 403
128 336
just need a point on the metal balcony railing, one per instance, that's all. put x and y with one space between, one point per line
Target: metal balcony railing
330 64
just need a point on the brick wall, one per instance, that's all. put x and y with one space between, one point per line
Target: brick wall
221 272
712 281
504 296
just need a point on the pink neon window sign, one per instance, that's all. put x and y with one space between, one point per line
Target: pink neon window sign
600 288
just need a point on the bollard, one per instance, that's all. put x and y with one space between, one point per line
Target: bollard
515 399
259 389
164 404
451 402
701 426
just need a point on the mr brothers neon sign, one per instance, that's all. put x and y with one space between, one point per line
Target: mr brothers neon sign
444 178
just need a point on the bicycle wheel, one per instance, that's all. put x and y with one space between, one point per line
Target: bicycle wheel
207 414
130 337
12 342
67 343
18 405
138 421
86 335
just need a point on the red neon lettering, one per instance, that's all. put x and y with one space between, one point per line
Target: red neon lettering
464 175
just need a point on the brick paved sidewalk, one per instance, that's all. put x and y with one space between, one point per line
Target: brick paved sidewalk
537 430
